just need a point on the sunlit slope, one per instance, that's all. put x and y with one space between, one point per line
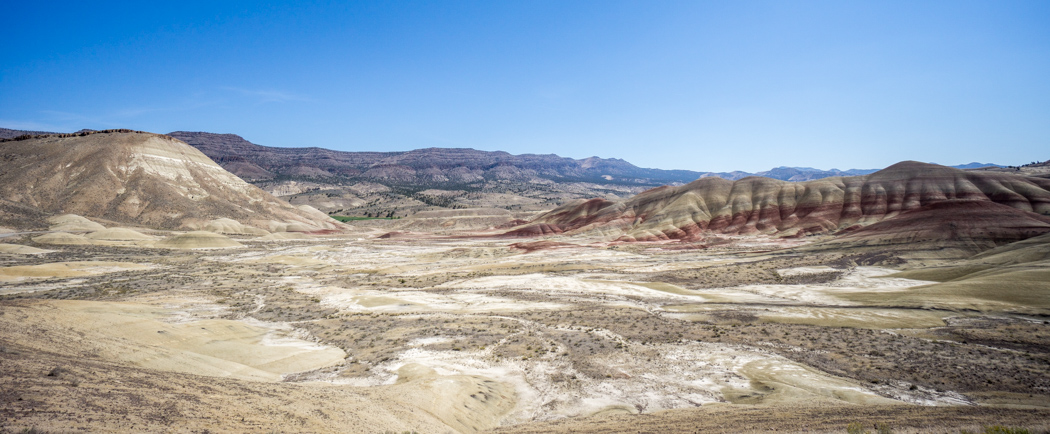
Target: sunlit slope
138 178
1014 276
757 205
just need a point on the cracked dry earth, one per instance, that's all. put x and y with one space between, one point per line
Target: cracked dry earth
463 335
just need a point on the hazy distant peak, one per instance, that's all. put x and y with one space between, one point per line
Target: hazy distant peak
976 165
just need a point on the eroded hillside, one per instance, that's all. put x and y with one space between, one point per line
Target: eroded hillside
767 206
133 178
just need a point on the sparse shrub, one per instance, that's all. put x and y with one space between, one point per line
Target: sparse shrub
999 429
858 428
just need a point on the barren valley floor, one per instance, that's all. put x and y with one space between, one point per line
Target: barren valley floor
445 334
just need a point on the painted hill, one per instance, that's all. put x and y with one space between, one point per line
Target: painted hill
133 177
756 205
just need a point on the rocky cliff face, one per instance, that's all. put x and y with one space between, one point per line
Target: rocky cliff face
139 178
757 205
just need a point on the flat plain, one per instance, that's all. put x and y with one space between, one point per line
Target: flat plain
375 331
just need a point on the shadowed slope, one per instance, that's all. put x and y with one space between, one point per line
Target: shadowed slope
983 224
139 178
756 205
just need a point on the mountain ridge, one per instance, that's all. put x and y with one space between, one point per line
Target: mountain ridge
221 144
213 144
419 165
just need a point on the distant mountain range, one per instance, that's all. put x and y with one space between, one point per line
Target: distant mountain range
435 165
402 183
426 168
975 165
457 166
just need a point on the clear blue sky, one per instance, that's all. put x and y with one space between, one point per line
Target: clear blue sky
707 86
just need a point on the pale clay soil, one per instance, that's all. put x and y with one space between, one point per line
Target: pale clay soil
461 335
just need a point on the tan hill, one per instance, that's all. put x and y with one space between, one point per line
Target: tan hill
198 240
73 223
134 178
767 206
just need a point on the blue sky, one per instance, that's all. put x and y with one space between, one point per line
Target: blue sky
707 86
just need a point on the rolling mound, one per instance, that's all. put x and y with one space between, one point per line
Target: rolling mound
1034 249
63 238
456 219
16 249
283 236
198 240
104 237
1015 273
1013 277
73 223
136 178
757 205
119 234
232 227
